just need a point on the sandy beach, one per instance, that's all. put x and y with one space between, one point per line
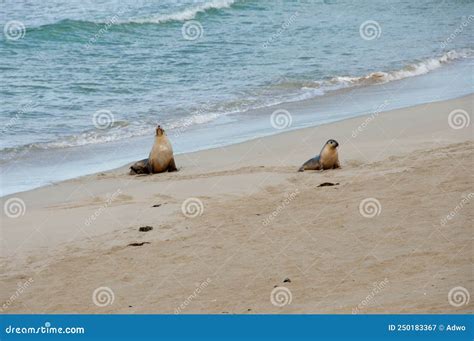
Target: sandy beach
392 235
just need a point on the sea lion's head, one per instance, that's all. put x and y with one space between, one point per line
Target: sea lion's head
333 144
160 131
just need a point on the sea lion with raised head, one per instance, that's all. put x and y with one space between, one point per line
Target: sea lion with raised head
327 159
161 157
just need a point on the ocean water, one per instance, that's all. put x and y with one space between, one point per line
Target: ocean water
84 83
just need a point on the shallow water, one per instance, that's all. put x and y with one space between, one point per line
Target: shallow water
86 82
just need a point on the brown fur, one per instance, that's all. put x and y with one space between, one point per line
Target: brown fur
161 157
327 159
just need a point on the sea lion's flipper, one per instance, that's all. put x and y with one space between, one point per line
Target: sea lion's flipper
140 167
172 166
312 164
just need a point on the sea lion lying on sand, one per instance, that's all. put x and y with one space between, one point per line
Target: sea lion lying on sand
140 167
327 159
161 157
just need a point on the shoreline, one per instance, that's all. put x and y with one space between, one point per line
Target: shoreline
242 220
287 130
48 166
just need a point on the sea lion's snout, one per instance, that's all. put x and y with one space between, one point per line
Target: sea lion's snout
159 131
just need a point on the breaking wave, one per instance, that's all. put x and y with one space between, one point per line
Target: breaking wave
186 14
380 77
118 18
297 90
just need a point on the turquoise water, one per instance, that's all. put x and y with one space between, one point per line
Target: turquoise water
84 79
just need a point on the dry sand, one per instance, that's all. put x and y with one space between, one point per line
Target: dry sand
261 223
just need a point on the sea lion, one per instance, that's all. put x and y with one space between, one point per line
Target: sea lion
140 167
327 159
161 157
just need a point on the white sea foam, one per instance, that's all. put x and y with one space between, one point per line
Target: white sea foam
186 14
379 77
206 114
